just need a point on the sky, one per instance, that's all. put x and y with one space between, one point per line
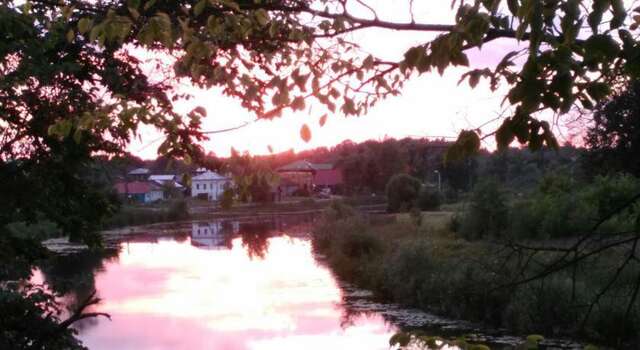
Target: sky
430 105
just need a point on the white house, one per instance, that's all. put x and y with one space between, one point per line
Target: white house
212 235
210 183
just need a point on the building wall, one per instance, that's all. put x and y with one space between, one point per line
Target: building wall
153 195
331 177
300 178
213 188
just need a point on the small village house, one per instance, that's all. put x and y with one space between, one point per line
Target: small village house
167 181
209 185
307 176
140 191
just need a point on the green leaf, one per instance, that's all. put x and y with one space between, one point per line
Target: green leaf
601 48
595 17
199 7
413 55
402 339
479 347
77 136
298 103
262 17
199 111
305 133
67 11
467 145
322 120
84 25
70 35
513 6
598 91
619 14
149 4
504 135
535 338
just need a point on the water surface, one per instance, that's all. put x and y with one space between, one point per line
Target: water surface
220 285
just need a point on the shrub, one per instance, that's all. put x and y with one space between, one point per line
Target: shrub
559 208
178 210
402 191
487 214
429 199
450 195
360 244
338 210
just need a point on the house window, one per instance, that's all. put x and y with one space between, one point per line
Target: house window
197 186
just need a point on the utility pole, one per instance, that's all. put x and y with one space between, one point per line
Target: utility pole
439 181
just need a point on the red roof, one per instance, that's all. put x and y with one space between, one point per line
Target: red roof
134 187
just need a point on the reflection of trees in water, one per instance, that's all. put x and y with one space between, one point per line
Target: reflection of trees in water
73 275
255 238
255 235
181 236
350 315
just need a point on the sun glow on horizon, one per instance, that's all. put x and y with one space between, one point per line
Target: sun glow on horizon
430 105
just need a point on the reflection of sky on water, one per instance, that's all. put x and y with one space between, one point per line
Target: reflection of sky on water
173 295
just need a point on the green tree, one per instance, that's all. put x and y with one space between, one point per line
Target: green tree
613 139
428 199
487 215
227 199
260 189
402 192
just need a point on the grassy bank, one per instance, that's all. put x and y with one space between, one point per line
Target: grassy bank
430 267
140 215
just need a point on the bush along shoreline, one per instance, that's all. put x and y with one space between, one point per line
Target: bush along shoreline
424 264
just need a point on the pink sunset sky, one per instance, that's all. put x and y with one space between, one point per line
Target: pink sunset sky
430 105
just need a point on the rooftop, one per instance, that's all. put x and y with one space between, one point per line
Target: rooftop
162 177
303 165
139 171
209 175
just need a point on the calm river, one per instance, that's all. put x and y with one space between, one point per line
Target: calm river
218 285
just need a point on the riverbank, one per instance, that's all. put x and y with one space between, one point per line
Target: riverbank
192 209
429 267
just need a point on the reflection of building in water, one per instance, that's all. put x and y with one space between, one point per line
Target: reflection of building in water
212 235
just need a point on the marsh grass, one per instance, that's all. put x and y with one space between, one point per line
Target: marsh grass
434 269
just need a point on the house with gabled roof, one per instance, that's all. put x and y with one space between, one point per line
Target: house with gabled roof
140 191
308 176
210 185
